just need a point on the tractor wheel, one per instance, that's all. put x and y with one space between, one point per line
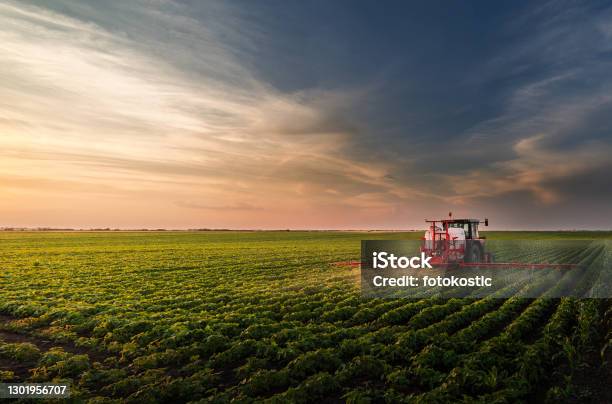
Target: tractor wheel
491 257
474 254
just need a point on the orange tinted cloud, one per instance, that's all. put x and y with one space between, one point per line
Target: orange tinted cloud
96 131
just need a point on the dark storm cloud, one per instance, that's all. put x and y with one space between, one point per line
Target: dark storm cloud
456 95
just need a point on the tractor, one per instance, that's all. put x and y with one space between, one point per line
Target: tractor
455 241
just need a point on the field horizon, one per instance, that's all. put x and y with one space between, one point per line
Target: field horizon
560 232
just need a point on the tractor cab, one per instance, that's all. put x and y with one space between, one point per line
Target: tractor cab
454 229
469 227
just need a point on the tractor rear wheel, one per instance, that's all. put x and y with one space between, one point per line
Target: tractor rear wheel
474 254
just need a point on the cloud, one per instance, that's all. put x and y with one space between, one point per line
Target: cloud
104 108
535 168
196 205
553 123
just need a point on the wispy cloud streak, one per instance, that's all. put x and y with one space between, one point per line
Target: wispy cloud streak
84 103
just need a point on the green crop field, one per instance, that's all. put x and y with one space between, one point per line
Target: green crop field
264 316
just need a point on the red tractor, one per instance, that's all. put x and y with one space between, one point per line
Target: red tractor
455 241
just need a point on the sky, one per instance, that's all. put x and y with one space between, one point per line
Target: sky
305 115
